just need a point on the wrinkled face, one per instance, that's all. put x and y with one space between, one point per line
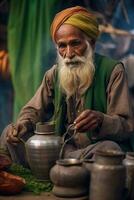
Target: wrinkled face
75 60
70 41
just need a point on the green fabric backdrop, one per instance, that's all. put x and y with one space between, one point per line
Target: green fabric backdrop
28 45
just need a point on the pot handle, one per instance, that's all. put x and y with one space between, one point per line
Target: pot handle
66 140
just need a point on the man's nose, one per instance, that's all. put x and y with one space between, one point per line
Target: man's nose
70 52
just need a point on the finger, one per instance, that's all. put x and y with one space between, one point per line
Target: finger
89 119
12 139
11 136
81 123
15 132
88 126
83 115
86 129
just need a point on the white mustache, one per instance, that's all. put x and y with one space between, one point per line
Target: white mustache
75 60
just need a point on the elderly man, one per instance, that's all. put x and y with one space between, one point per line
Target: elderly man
83 88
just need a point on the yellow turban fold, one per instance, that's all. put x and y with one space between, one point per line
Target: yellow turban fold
79 17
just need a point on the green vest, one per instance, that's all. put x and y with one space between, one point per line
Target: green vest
95 96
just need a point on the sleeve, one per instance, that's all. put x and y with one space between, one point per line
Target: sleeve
40 107
118 121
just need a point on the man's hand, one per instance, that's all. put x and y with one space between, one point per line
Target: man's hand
15 131
88 120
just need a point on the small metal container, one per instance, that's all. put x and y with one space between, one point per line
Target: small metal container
70 178
42 150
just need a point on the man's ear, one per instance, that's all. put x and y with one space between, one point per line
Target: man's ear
91 42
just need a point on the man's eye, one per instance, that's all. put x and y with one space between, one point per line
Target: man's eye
76 43
61 46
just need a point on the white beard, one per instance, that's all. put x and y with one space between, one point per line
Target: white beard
76 75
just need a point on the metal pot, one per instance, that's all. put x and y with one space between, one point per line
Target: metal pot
88 163
42 150
70 178
107 176
129 164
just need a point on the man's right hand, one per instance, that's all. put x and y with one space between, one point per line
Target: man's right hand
15 131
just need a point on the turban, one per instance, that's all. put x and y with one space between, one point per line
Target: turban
79 17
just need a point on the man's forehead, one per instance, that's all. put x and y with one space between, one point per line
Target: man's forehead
69 31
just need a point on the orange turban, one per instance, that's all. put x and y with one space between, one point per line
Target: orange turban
79 17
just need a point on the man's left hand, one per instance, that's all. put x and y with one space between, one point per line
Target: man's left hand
88 120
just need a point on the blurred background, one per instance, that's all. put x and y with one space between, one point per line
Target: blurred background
26 49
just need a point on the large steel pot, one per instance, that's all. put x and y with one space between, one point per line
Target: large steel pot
70 178
42 150
108 176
